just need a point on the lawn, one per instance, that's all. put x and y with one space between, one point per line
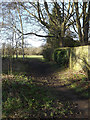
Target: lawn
30 56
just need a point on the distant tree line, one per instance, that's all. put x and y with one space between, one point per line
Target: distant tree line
9 51
63 22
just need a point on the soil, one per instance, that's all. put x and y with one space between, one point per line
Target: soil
50 76
54 78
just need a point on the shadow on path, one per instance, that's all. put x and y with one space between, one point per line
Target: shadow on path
46 75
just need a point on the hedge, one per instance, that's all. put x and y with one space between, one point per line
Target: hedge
47 53
61 56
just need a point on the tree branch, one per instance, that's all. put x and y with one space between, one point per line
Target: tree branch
31 33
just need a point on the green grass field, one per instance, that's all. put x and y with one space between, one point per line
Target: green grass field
30 56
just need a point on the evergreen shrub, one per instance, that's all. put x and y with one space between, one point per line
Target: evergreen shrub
61 56
47 54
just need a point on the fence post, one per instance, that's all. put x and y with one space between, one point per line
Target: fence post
89 62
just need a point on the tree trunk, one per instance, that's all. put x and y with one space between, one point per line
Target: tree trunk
78 23
23 52
63 10
16 46
16 51
87 25
18 9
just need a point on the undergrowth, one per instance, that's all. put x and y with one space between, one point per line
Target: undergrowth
23 99
81 85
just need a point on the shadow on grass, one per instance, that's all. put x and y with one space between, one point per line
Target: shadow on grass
31 67
80 87
38 68
27 97
23 99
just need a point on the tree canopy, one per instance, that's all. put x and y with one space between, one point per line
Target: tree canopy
57 19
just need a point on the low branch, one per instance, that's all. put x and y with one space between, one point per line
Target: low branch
31 33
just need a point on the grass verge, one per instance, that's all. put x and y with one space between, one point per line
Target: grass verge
77 81
80 84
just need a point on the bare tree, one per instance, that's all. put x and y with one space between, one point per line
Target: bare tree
83 17
3 49
18 9
43 15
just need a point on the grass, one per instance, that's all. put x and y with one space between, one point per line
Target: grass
81 85
18 65
78 82
23 99
30 56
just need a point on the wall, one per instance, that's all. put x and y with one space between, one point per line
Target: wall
80 58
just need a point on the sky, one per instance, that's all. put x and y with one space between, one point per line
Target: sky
31 39
40 0
35 41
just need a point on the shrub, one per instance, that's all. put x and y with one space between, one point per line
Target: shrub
47 54
61 56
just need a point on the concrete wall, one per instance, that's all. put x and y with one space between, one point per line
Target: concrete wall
80 58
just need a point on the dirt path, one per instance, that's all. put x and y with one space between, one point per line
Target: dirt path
51 77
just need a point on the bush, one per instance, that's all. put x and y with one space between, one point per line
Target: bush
61 56
47 54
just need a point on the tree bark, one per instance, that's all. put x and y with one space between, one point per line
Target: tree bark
78 23
87 25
